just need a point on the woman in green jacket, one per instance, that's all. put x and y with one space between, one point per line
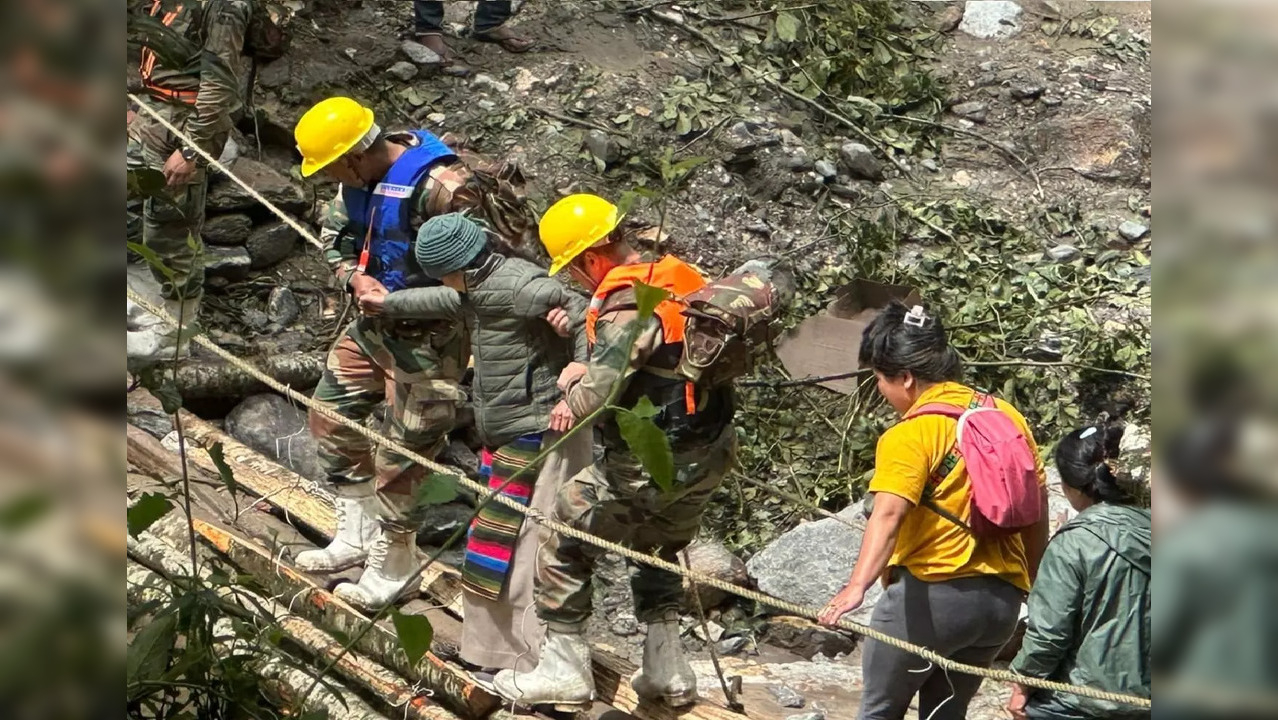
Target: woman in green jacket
1089 610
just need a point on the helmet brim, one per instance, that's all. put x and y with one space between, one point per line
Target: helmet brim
585 243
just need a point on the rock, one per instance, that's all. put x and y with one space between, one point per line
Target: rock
603 147
930 165
149 419
962 178
1027 92
717 561
814 715
270 243
524 80
171 442
1059 511
624 625
788 138
227 263
812 562
1103 143
1131 231
255 319
1064 253
282 190
275 427
948 19
826 169
798 163
712 632
484 81
282 307
732 645
860 162
419 53
991 18
1052 101
847 192
973 110
486 105
228 230
787 696
807 639
402 71
439 522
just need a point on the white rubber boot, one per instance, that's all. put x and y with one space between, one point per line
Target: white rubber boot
150 340
562 677
391 562
358 528
666 674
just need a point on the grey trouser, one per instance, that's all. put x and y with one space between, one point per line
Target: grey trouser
967 620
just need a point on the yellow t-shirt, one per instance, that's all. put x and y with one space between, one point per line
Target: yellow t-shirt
931 547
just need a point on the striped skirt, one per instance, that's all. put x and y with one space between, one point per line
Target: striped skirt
494 532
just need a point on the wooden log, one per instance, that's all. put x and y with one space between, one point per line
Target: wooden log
203 379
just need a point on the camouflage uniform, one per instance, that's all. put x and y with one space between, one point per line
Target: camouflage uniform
616 500
209 94
414 364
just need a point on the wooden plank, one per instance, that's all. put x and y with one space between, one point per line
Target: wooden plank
302 595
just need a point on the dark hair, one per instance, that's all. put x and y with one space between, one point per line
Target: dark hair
1084 459
892 346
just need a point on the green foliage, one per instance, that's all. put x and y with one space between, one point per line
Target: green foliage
692 106
146 511
647 441
436 489
217 455
415 634
21 512
647 298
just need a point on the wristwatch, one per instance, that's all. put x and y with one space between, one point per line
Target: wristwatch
188 153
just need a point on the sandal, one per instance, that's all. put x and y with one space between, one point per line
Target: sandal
434 41
506 39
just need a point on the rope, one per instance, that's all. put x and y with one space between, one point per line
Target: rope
567 530
213 162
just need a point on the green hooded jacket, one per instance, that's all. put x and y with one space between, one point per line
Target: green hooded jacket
1089 614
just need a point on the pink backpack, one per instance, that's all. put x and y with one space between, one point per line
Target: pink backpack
1000 467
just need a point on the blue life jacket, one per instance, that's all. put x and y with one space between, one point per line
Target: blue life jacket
390 259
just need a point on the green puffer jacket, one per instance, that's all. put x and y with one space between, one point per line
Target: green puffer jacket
518 357
1089 614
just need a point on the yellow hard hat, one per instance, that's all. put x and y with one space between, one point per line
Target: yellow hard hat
574 224
329 130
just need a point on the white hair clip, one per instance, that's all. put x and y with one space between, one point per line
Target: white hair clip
915 317
1087 433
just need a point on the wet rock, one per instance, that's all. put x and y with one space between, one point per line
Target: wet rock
440 522
991 18
1131 231
273 426
402 71
484 81
811 563
624 625
1027 92
787 696
805 638
228 230
603 147
419 53
1064 253
948 19
282 307
717 561
282 190
825 169
227 263
973 110
732 645
270 243
860 162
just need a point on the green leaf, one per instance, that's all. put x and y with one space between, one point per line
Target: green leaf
148 655
684 124
882 53
787 27
160 384
687 164
145 182
149 508
24 510
648 442
647 298
217 454
152 259
415 633
436 489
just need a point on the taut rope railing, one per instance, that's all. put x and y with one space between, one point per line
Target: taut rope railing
540 518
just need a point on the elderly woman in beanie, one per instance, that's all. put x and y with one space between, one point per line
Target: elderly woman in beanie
524 329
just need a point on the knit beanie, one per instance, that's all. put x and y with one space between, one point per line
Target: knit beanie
447 243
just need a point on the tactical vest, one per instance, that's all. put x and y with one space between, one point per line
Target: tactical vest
389 208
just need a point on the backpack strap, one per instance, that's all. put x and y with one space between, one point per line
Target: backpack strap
952 456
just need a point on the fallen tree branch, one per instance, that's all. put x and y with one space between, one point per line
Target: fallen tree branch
1058 363
577 121
204 379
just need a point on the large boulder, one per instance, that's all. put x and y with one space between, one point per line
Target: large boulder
270 243
229 230
812 562
226 195
273 426
708 557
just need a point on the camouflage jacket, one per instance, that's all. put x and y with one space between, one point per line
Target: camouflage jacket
217 68
612 358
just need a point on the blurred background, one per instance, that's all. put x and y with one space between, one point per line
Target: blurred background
61 456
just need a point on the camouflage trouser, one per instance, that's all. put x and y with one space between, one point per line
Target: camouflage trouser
616 500
417 376
169 225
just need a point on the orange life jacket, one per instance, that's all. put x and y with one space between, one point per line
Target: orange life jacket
147 68
669 273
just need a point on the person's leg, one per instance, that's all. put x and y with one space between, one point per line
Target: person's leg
428 16
490 25
893 676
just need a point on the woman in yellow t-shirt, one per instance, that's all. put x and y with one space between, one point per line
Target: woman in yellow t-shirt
946 589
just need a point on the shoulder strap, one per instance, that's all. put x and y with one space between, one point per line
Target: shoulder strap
952 456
